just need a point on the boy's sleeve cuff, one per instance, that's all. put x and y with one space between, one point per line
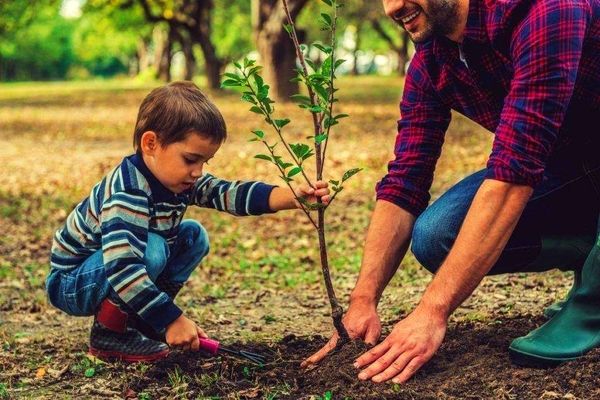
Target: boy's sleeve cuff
163 315
259 203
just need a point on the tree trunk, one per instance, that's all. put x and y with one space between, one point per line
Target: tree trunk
188 51
213 65
356 49
277 53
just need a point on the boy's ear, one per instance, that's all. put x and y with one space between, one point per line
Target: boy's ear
149 142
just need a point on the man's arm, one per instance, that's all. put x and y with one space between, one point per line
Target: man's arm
386 244
490 221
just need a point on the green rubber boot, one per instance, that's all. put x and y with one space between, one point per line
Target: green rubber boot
573 331
565 253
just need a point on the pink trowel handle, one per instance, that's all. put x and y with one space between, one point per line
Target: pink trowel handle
209 345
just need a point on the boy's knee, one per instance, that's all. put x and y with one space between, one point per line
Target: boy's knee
156 255
195 237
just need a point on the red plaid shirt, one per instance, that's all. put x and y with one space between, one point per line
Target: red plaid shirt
531 74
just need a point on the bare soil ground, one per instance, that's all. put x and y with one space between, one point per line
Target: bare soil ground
260 288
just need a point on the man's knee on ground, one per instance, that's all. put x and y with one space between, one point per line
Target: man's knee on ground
428 242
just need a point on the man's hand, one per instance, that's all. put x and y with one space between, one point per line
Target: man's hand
312 194
412 342
183 333
361 321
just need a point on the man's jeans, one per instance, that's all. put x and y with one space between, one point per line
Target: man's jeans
566 204
81 290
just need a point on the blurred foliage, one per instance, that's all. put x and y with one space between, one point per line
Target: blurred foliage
37 43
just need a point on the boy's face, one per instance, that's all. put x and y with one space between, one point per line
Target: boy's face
178 165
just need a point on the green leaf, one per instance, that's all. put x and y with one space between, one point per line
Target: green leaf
335 183
257 110
260 134
280 123
328 2
288 28
339 62
300 98
324 49
286 179
90 372
230 82
249 97
263 157
350 173
321 138
327 19
340 116
294 171
300 149
233 76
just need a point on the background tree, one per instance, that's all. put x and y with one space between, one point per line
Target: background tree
276 51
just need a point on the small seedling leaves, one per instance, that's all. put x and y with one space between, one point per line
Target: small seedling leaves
300 149
340 116
286 179
326 18
90 372
249 98
321 91
335 183
311 64
350 173
288 28
328 2
257 110
294 171
316 109
232 76
339 62
260 134
321 138
280 123
324 49
263 157
230 82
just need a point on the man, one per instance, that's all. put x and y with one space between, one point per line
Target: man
529 71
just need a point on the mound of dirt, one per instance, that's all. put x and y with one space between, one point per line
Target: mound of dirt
472 363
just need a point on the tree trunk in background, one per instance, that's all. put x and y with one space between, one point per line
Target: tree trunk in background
400 49
166 56
143 58
356 49
277 53
188 52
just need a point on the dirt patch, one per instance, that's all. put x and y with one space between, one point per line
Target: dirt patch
472 363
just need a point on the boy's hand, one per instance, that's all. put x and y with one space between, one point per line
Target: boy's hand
311 195
183 333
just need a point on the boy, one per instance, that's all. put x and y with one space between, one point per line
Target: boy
125 252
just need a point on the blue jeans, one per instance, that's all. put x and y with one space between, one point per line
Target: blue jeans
80 291
566 204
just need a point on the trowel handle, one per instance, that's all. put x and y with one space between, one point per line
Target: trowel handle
209 345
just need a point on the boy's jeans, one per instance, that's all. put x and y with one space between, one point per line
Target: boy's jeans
80 291
565 205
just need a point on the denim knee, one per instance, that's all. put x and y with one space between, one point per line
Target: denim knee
156 255
196 239
431 241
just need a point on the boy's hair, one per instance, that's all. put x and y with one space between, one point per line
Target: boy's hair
174 110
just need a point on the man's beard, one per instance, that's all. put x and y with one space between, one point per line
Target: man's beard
441 18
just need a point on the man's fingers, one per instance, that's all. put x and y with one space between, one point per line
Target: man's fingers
380 364
413 366
319 355
395 368
372 355
372 336
321 184
195 344
201 333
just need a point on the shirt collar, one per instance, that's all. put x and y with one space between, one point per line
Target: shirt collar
159 192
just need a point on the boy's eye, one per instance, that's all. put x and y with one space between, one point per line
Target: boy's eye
189 161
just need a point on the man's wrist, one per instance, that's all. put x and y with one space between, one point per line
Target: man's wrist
364 298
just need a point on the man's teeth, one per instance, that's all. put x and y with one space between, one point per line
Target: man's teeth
410 17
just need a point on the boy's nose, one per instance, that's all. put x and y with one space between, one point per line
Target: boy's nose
197 173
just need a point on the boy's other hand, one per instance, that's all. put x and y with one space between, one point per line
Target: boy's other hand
183 333
311 195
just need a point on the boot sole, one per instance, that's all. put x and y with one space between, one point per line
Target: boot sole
525 359
106 355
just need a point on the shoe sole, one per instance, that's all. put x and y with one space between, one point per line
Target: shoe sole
525 359
106 355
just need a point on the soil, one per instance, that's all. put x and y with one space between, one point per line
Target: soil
472 363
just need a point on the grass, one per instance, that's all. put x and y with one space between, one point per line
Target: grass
262 278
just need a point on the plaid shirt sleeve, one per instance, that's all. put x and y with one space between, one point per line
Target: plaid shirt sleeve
546 48
421 129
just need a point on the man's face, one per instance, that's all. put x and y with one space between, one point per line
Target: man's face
423 18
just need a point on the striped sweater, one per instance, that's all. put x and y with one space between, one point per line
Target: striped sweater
123 208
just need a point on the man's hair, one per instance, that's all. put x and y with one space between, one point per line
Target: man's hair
174 110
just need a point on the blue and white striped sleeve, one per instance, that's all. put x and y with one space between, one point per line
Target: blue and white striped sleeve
124 222
237 198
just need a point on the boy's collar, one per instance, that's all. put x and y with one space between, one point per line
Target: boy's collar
159 192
